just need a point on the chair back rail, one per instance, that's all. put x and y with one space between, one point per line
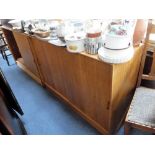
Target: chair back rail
151 47
152 72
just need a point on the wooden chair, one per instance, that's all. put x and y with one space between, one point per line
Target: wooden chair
141 113
4 48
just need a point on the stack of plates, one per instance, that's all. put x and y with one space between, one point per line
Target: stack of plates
116 56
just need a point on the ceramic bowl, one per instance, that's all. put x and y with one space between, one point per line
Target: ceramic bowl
75 44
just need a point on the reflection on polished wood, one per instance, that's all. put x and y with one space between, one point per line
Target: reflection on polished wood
98 91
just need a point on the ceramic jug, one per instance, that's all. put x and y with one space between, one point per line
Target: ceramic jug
140 31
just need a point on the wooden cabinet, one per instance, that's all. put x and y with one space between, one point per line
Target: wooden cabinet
77 79
98 91
26 52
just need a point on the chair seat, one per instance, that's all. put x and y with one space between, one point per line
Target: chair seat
142 108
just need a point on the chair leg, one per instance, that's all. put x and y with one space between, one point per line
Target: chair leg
6 58
127 128
2 54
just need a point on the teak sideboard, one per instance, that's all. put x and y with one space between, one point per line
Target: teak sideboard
98 91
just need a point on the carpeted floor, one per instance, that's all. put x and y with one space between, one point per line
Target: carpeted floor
44 114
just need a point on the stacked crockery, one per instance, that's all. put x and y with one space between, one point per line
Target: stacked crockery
118 46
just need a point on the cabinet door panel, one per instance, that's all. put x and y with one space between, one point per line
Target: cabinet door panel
26 52
76 78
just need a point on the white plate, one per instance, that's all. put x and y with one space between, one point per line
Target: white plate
46 39
16 28
57 42
111 56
